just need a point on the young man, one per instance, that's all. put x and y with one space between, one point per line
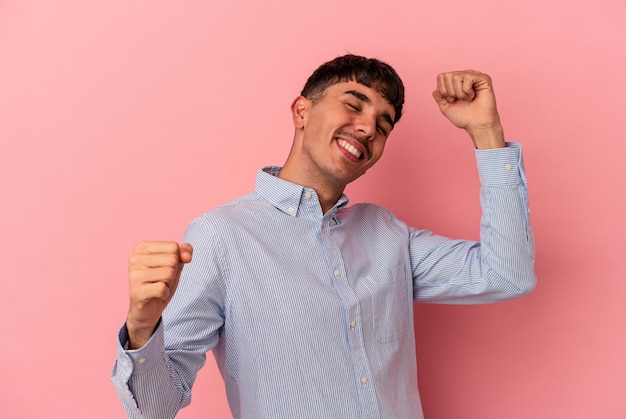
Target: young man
306 301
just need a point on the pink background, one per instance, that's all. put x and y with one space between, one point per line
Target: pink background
123 120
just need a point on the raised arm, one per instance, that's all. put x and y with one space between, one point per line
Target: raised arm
501 265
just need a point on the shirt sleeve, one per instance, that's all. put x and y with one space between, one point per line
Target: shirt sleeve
144 378
501 265
155 380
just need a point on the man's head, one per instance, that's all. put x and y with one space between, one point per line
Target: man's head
342 120
369 72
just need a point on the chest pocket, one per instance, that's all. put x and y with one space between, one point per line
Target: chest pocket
390 304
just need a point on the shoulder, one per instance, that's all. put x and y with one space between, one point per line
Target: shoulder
231 221
232 209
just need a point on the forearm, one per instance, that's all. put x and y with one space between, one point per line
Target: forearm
497 268
507 244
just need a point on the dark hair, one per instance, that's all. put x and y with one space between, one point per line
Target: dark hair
370 72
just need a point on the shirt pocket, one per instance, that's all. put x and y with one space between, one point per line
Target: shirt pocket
390 304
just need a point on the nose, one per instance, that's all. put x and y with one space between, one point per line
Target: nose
366 126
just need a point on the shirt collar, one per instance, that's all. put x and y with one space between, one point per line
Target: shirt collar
289 197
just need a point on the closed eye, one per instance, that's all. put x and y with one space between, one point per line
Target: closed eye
379 127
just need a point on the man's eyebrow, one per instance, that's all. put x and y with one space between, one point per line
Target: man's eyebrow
359 96
366 99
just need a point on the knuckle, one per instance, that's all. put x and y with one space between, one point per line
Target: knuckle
147 247
140 247
133 276
170 247
169 272
171 260
161 290
133 260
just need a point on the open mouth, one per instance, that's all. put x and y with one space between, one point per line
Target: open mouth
350 149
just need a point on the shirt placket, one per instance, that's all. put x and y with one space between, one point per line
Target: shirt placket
363 378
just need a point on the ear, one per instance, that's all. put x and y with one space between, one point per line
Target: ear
299 111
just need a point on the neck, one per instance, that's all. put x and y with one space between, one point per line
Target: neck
328 195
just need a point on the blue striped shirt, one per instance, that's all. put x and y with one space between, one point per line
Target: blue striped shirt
310 315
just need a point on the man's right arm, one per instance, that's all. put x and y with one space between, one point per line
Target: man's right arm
154 272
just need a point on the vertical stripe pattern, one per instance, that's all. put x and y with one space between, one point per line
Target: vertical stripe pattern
310 315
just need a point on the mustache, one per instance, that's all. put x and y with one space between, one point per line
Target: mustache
363 141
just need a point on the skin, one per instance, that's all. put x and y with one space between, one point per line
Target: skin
467 99
348 113
154 269
348 116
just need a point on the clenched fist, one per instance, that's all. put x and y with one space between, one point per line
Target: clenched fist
466 98
154 269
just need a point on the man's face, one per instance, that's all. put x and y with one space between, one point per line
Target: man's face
344 133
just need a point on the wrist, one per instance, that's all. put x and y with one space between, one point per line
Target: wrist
487 138
139 334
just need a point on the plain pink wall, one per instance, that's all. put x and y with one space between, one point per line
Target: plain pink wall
121 121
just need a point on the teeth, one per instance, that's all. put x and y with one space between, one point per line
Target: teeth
350 148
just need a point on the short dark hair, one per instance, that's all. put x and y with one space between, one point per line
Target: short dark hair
370 72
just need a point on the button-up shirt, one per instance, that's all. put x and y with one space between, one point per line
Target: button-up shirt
310 315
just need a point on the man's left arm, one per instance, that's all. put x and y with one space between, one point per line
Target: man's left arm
501 265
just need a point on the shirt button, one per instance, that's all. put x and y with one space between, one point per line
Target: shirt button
363 380
291 210
337 273
307 195
352 324
508 166
142 360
